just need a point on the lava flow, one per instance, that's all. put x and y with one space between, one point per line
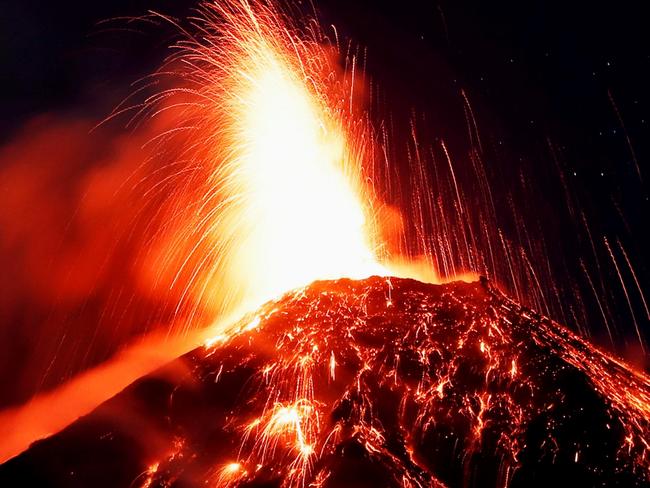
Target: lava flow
380 382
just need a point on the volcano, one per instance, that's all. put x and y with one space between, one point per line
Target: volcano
375 383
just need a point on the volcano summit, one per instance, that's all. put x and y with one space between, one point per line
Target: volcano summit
380 382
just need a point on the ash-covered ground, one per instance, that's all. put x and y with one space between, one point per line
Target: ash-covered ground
374 383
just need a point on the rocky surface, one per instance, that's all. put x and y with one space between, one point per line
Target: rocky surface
373 383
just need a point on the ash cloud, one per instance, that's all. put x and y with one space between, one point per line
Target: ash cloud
75 234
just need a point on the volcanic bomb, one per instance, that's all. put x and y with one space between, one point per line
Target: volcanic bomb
375 383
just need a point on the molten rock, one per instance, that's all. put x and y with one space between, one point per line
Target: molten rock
381 382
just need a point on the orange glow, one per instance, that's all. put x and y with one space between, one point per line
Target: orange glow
232 467
306 219
284 199
230 473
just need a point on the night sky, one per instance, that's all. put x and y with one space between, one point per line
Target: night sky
559 89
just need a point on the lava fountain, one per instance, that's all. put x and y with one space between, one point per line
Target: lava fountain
284 202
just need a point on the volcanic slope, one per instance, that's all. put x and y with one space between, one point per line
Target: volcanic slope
374 383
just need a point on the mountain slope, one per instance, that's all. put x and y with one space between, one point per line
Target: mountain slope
379 382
